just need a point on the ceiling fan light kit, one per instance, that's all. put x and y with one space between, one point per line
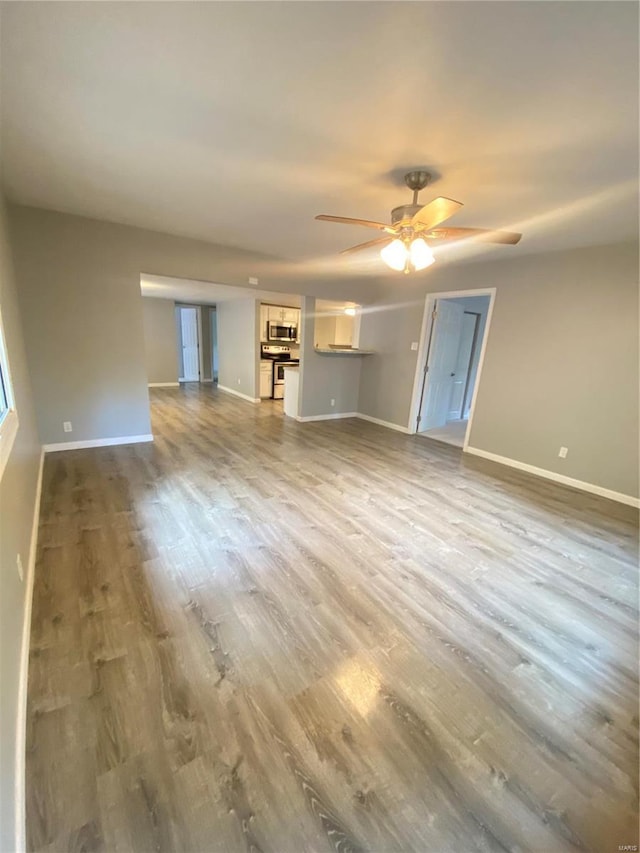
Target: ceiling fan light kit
395 255
404 247
420 254
403 256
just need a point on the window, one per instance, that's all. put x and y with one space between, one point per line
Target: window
8 414
4 405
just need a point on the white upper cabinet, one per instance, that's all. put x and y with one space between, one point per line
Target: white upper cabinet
277 314
282 314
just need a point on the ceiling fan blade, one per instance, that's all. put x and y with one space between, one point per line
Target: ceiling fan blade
486 234
368 223
379 241
435 212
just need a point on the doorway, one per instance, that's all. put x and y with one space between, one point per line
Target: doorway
454 336
214 345
189 327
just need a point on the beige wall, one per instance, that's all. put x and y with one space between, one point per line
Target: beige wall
17 506
344 330
80 293
333 329
561 364
238 351
325 377
325 330
82 307
160 340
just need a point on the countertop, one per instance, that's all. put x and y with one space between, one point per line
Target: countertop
346 351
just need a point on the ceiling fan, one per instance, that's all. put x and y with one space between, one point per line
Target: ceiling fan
413 228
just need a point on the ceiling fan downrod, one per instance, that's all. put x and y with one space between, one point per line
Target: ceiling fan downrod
417 180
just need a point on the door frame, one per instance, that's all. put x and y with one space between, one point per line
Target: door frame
472 353
424 346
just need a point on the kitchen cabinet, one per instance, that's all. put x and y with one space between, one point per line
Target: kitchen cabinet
266 375
277 314
291 315
281 314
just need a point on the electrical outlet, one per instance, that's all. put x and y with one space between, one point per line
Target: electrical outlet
19 565
414 345
333 402
239 382
562 453
66 426
253 279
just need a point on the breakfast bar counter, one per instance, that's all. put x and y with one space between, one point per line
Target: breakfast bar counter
291 388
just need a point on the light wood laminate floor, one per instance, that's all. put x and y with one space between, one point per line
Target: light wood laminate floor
261 635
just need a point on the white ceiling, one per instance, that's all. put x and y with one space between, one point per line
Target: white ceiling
238 122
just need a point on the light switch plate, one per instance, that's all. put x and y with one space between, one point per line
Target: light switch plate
414 345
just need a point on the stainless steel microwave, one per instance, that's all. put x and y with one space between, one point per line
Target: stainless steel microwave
278 331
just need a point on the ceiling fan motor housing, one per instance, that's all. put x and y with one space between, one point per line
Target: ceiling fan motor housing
404 211
416 180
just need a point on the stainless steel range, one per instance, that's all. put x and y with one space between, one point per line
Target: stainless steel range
279 355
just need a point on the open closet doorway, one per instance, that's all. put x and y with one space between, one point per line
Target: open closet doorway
452 348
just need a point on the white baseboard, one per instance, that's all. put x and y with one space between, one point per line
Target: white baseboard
332 417
556 478
238 394
164 385
23 683
206 381
336 416
386 424
97 442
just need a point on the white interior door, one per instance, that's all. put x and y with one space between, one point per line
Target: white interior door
442 361
463 364
190 353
